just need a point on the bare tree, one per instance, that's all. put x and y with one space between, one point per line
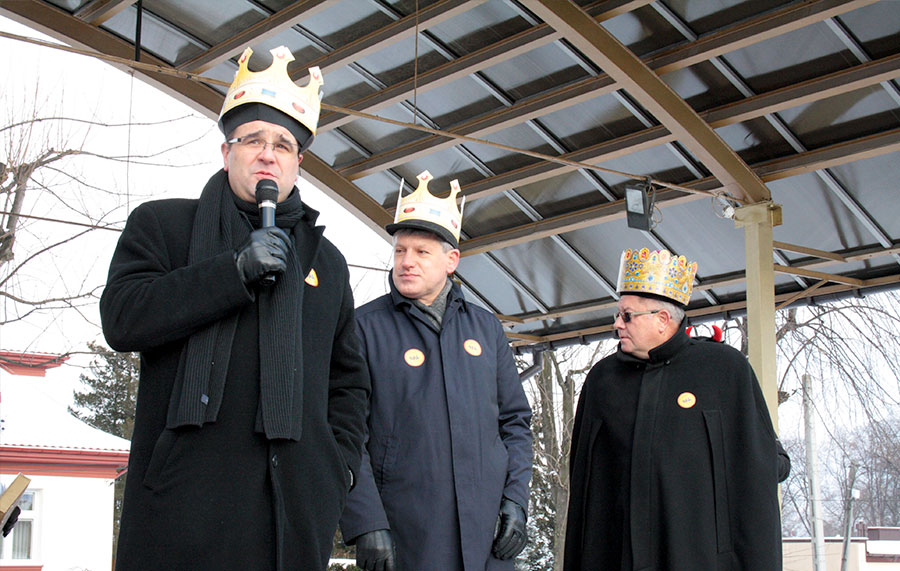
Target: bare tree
64 185
553 394
849 348
875 450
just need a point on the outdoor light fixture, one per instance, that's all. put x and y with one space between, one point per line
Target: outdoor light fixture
639 204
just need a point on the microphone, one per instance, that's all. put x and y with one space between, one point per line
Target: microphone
266 199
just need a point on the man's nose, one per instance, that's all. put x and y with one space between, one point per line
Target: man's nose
268 152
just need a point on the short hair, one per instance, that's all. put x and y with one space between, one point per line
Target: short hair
416 233
675 311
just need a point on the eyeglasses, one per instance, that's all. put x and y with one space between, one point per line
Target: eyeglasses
628 315
258 145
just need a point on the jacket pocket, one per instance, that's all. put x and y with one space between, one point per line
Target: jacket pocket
714 432
159 458
384 467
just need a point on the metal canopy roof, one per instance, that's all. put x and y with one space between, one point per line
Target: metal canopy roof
803 96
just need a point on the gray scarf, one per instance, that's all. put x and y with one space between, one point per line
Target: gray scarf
435 311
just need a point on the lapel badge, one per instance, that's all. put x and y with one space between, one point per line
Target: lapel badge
687 400
472 347
414 357
312 278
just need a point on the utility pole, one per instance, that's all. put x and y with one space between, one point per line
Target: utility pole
815 515
852 494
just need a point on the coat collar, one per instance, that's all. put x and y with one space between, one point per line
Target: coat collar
659 354
454 298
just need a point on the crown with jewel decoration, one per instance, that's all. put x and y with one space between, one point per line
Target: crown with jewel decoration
421 210
656 272
273 87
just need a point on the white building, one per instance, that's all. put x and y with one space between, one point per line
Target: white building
66 523
879 550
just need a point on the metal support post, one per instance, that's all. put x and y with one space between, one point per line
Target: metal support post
757 220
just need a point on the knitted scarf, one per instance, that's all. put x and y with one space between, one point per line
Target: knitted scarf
435 311
223 223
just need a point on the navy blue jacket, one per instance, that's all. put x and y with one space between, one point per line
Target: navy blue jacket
448 433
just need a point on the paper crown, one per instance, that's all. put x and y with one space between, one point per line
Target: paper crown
658 273
421 210
273 87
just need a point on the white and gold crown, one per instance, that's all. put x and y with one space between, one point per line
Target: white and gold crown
656 272
273 87
423 211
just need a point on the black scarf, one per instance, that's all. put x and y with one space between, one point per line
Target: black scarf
223 223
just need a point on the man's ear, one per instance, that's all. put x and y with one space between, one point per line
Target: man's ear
225 151
453 261
664 319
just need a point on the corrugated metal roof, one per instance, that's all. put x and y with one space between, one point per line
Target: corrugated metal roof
805 93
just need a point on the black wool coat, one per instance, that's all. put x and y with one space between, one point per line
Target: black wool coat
222 496
674 464
448 434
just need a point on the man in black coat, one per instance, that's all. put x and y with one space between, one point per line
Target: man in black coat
444 479
674 462
251 407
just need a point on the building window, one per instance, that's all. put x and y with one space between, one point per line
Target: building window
18 545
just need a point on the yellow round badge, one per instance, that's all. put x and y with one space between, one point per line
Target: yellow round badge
472 347
686 400
414 357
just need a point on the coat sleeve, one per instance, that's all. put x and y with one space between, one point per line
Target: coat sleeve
364 511
514 422
753 474
348 389
576 429
151 297
784 462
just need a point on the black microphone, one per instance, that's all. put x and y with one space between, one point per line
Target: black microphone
266 199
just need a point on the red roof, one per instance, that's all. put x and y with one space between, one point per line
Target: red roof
30 364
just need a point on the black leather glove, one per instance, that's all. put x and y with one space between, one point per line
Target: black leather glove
375 551
264 253
11 522
511 535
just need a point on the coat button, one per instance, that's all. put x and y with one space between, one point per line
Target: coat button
275 460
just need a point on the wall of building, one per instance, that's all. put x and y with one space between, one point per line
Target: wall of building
798 556
73 524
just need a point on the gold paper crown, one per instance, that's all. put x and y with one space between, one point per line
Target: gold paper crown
273 87
657 272
423 210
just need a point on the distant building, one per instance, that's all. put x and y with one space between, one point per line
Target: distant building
879 550
66 521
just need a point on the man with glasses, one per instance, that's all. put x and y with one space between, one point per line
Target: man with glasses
252 401
674 462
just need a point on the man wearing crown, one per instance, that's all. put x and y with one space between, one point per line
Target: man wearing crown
251 408
444 478
673 458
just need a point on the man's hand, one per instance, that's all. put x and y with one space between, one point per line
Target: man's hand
375 551
511 535
264 253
